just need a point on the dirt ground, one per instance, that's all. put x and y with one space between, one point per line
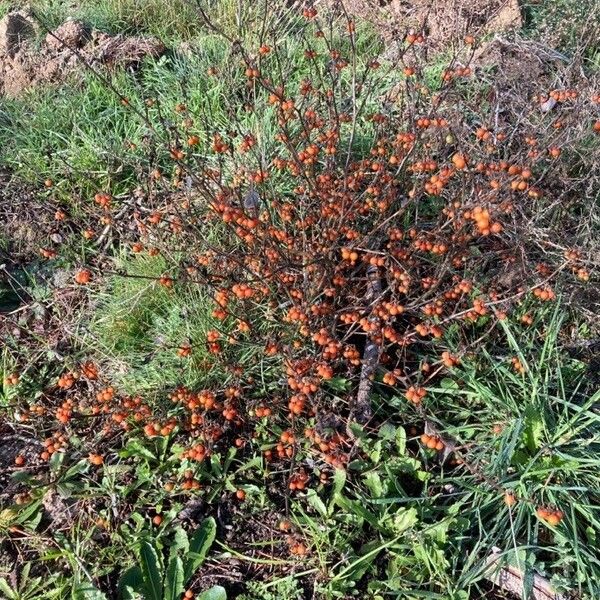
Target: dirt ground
440 20
24 63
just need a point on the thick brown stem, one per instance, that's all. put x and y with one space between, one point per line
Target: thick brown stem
361 409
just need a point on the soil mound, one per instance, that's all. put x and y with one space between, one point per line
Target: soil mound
440 20
23 63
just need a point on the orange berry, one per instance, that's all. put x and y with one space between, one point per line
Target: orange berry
459 161
543 513
553 519
285 525
96 459
82 277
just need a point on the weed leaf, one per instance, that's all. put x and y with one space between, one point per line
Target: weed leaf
151 571
6 589
87 591
214 593
199 545
174 579
130 581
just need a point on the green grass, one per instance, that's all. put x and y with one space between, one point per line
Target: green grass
172 22
545 452
138 326
565 25
5 7
79 134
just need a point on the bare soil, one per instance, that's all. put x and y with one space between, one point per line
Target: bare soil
441 21
23 63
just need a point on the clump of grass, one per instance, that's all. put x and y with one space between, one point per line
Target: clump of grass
172 22
138 326
52 134
565 25
5 8
529 434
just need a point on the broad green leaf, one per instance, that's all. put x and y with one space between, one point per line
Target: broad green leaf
162 445
214 593
128 593
373 482
130 581
30 515
135 448
401 440
404 519
174 579
87 591
387 432
138 519
534 429
180 542
359 465
200 544
448 384
77 468
215 464
151 571
56 461
358 431
375 452
590 534
339 481
401 464
339 384
316 503
22 476
6 589
439 531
